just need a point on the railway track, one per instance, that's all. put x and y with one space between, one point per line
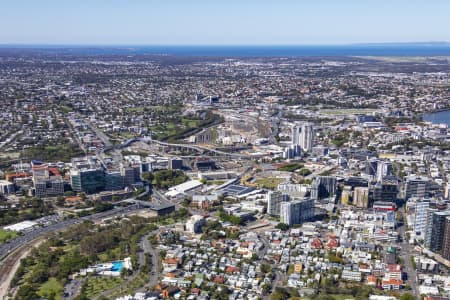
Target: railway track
9 266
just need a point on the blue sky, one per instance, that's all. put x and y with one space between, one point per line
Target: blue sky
222 22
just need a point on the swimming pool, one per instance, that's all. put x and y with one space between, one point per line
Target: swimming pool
117 266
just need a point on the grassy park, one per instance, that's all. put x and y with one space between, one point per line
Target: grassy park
269 182
51 288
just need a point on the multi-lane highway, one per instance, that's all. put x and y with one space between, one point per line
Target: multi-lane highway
26 238
57 225
201 149
185 146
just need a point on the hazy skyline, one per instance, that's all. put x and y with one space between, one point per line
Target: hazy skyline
231 22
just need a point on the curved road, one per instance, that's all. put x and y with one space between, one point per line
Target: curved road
155 268
13 244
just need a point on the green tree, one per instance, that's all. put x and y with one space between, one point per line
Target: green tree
265 268
26 291
266 288
51 295
282 226
147 176
60 201
304 172
279 294
407 296
166 178
40 274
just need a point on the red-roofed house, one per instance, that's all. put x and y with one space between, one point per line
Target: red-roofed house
12 176
392 284
219 279
332 243
73 200
393 271
316 243
170 263
232 270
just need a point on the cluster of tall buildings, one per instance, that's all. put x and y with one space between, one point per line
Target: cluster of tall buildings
291 210
363 194
86 174
431 222
302 141
377 185
89 176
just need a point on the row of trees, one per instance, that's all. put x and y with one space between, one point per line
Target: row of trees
291 167
26 209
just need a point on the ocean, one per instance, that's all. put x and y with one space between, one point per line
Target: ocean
298 51
409 49
440 117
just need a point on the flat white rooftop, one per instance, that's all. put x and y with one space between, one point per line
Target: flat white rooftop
20 226
186 186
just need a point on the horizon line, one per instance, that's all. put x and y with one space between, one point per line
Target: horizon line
4 45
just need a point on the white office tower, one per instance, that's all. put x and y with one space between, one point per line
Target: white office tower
420 216
296 135
274 200
384 169
296 212
303 136
306 137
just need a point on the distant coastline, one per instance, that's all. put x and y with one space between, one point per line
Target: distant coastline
406 49
437 110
